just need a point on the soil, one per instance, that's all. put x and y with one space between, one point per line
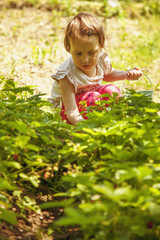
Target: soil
28 229
34 226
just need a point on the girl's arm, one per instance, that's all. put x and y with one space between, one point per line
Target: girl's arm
69 100
116 75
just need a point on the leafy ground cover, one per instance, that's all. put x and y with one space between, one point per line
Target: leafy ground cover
99 180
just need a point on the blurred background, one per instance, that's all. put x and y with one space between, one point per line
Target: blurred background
32 31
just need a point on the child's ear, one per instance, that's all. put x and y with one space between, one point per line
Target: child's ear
68 48
100 47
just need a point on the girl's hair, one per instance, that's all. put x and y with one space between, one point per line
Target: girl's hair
83 24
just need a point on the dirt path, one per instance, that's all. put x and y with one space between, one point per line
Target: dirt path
29 47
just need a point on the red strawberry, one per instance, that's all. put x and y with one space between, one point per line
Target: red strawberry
15 156
150 225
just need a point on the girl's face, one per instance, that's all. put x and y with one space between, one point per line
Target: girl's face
85 53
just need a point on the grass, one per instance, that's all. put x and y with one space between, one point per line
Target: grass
136 44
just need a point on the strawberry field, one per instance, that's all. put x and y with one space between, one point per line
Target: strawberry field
99 180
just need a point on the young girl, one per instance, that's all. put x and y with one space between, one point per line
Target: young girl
80 77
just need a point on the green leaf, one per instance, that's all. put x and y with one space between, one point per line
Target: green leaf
8 216
34 180
54 204
143 172
3 198
18 89
138 229
13 164
24 176
104 189
77 216
154 209
32 147
18 125
5 185
22 141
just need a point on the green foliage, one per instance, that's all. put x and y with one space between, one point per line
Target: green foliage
123 8
137 45
112 183
30 138
8 216
107 166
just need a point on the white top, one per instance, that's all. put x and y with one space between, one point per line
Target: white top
81 81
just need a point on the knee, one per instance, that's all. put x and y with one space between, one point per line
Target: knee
91 98
110 89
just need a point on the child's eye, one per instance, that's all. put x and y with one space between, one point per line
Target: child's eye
91 53
78 53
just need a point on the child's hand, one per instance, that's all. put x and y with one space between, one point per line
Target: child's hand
134 74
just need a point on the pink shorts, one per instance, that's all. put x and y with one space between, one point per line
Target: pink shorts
90 99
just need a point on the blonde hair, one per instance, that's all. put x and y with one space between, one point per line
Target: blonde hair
83 24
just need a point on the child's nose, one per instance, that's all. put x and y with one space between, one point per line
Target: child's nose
85 59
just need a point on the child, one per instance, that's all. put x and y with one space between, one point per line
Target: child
80 77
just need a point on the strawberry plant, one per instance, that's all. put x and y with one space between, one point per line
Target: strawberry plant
107 168
112 182
30 139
